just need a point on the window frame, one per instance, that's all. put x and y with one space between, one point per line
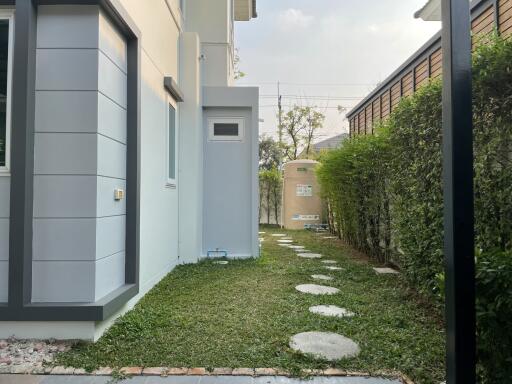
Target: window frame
171 183
226 120
8 14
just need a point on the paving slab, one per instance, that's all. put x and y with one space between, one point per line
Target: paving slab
329 262
285 241
331 311
324 345
310 255
221 262
297 247
322 277
330 268
315 289
279 235
385 271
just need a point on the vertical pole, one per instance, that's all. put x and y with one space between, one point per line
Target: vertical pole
22 155
280 113
458 193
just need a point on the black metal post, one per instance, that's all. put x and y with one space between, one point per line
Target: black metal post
458 193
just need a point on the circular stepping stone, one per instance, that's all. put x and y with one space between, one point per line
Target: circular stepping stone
329 237
261 233
221 262
324 345
385 271
296 247
285 241
278 235
322 277
310 255
329 261
331 311
334 268
315 289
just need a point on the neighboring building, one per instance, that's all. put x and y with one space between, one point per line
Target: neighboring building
325 145
426 63
302 203
124 151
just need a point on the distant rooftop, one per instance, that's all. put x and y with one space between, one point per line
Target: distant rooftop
330 143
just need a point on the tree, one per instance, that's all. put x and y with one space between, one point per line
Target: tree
314 122
300 125
236 62
270 193
293 123
270 153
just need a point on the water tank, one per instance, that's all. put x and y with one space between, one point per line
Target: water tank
301 195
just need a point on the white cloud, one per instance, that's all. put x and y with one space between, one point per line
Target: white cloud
294 18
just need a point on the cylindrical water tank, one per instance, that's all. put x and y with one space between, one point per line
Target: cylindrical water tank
301 195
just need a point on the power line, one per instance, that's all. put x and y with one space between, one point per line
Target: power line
315 84
327 98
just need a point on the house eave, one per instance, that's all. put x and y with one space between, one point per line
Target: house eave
245 10
431 11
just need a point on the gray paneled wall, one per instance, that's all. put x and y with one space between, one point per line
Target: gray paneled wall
80 156
5 192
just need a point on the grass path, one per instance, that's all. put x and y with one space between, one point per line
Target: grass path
243 314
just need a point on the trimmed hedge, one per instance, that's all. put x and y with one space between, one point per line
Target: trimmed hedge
385 197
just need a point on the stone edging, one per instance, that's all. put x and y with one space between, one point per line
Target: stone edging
165 371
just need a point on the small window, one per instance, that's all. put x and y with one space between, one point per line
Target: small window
171 146
226 129
302 169
6 21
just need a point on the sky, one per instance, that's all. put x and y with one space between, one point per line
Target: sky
326 53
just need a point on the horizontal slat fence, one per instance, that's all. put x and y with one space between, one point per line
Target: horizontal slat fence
425 65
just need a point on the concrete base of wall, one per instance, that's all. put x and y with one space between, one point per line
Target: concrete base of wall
73 330
60 330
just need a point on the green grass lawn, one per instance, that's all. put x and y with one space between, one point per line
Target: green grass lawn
243 314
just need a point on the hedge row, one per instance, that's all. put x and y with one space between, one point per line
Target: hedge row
385 196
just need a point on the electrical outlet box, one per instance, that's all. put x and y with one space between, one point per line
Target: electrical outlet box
118 194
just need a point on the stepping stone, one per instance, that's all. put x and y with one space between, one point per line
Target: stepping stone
278 235
334 268
329 262
261 233
324 345
296 247
310 255
331 311
221 262
285 241
315 289
262 239
322 277
329 237
385 271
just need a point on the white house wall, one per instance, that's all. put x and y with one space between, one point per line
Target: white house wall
159 234
231 175
81 64
191 150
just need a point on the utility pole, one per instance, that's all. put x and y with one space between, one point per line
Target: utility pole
280 113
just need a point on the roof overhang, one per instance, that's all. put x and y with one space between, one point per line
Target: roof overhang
430 11
245 10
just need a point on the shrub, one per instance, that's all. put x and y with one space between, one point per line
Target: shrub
401 168
354 184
